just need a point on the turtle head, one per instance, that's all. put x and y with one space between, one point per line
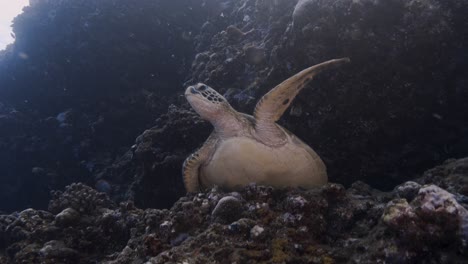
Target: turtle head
208 103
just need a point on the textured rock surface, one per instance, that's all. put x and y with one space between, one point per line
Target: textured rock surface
433 219
227 210
150 172
67 217
260 224
450 176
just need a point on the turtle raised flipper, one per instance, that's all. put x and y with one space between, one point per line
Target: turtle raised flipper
192 164
244 149
272 105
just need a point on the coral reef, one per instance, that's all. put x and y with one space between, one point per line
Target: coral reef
89 223
450 176
78 197
433 219
257 224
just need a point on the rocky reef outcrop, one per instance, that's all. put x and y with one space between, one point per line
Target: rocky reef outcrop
150 172
414 223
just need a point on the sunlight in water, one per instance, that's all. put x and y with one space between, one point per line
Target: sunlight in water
9 9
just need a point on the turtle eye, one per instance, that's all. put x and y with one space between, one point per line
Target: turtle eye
202 88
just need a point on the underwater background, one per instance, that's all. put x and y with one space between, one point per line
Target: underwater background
94 129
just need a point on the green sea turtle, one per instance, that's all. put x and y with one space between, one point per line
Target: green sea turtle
243 149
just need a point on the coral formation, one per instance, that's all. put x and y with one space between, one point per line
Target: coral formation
258 224
79 198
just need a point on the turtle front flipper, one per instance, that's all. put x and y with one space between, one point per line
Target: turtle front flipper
273 104
191 166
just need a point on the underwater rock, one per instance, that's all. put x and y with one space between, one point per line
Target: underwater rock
434 217
153 245
79 197
440 205
158 155
407 190
395 210
302 10
67 217
451 176
256 224
55 251
256 231
241 226
227 210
